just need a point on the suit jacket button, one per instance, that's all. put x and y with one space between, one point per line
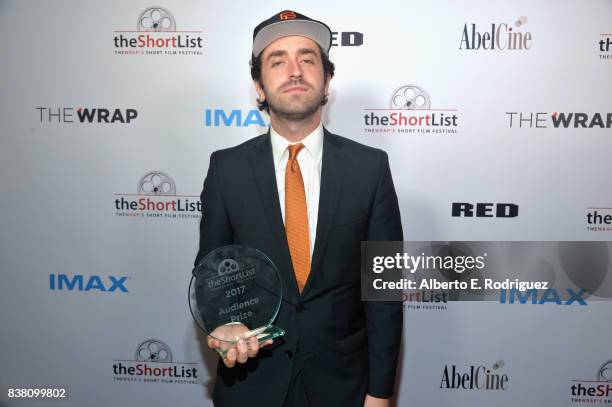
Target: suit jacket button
288 354
300 307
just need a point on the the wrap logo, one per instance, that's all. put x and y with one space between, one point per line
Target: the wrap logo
497 36
86 115
571 120
156 197
79 282
410 112
156 34
153 363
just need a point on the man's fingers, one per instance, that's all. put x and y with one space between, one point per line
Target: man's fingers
241 352
241 347
212 342
253 347
230 358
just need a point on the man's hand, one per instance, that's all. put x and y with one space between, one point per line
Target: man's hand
239 352
371 401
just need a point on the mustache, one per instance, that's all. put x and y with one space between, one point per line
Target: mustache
295 82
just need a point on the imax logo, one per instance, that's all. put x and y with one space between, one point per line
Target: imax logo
79 282
233 118
534 297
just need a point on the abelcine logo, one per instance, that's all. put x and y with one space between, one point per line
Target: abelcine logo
156 34
410 112
496 36
156 198
153 363
475 377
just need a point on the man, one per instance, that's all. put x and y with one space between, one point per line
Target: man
306 198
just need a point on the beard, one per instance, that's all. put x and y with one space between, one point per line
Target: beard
295 107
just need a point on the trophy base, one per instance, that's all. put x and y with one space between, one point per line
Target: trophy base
262 334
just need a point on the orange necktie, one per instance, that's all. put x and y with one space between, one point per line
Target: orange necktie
296 217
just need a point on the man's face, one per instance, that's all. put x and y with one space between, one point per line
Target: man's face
292 79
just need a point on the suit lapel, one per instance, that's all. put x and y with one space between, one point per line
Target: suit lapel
262 163
332 174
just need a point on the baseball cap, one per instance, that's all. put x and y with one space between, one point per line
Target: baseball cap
287 23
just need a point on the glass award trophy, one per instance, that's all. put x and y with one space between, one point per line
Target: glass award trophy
235 293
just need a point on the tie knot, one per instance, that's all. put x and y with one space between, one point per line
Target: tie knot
294 150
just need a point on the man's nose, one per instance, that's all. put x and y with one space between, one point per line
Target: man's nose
295 70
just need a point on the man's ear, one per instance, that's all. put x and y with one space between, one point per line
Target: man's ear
261 96
328 78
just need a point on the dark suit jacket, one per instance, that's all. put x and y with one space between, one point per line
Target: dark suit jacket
345 347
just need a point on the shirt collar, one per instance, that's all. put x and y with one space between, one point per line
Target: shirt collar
313 144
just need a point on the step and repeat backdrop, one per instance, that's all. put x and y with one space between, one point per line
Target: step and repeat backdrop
497 118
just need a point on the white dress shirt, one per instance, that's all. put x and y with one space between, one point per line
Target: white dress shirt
309 160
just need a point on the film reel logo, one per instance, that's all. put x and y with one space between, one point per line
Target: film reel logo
156 183
605 372
410 97
227 266
153 350
156 19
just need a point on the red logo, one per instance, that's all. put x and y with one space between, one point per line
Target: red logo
288 15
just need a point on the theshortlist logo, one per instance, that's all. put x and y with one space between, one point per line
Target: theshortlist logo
94 283
156 34
410 112
599 219
86 115
153 363
572 120
436 300
475 377
156 198
496 36
605 47
484 210
597 390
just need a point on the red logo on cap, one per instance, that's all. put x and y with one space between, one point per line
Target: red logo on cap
288 15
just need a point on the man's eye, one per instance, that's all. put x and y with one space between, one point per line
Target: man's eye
309 61
277 63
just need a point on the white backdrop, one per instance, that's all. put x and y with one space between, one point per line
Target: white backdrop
86 281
